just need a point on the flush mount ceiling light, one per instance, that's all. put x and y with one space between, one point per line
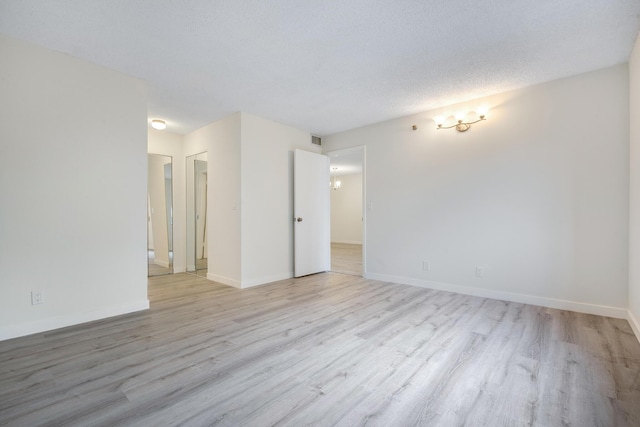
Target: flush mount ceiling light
158 124
461 125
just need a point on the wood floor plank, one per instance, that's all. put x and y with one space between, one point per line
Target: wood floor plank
346 258
329 349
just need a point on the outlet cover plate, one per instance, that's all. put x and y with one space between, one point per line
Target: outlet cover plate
36 297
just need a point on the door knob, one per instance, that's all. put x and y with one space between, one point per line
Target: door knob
298 219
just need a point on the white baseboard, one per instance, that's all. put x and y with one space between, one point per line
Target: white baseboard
23 329
161 263
248 283
635 325
224 280
348 242
265 280
601 310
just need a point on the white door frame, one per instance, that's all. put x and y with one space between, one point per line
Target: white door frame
363 150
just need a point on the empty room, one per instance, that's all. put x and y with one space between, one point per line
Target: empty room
319 213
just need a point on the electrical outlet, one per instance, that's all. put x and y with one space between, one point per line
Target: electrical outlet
426 266
36 297
480 271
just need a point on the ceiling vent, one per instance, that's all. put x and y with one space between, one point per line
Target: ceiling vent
316 140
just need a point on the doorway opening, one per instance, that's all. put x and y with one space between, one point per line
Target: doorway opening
348 217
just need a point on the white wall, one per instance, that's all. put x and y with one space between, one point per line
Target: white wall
346 210
250 215
634 190
73 189
221 141
170 144
267 198
537 195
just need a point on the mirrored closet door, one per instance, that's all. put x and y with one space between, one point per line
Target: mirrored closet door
159 215
196 170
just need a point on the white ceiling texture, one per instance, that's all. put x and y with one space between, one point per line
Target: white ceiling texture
325 66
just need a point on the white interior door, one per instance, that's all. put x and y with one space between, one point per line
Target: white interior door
312 248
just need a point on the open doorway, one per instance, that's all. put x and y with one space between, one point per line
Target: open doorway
347 211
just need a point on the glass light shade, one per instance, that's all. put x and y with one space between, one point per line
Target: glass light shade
158 124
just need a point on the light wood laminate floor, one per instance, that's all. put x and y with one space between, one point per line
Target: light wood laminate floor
346 258
154 269
328 349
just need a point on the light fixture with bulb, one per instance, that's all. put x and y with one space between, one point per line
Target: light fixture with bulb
461 125
334 183
158 124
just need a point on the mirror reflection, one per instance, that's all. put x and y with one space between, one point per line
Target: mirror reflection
159 215
196 170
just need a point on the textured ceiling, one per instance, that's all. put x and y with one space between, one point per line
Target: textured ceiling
323 65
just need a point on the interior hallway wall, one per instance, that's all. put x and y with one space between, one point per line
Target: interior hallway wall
250 214
267 198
